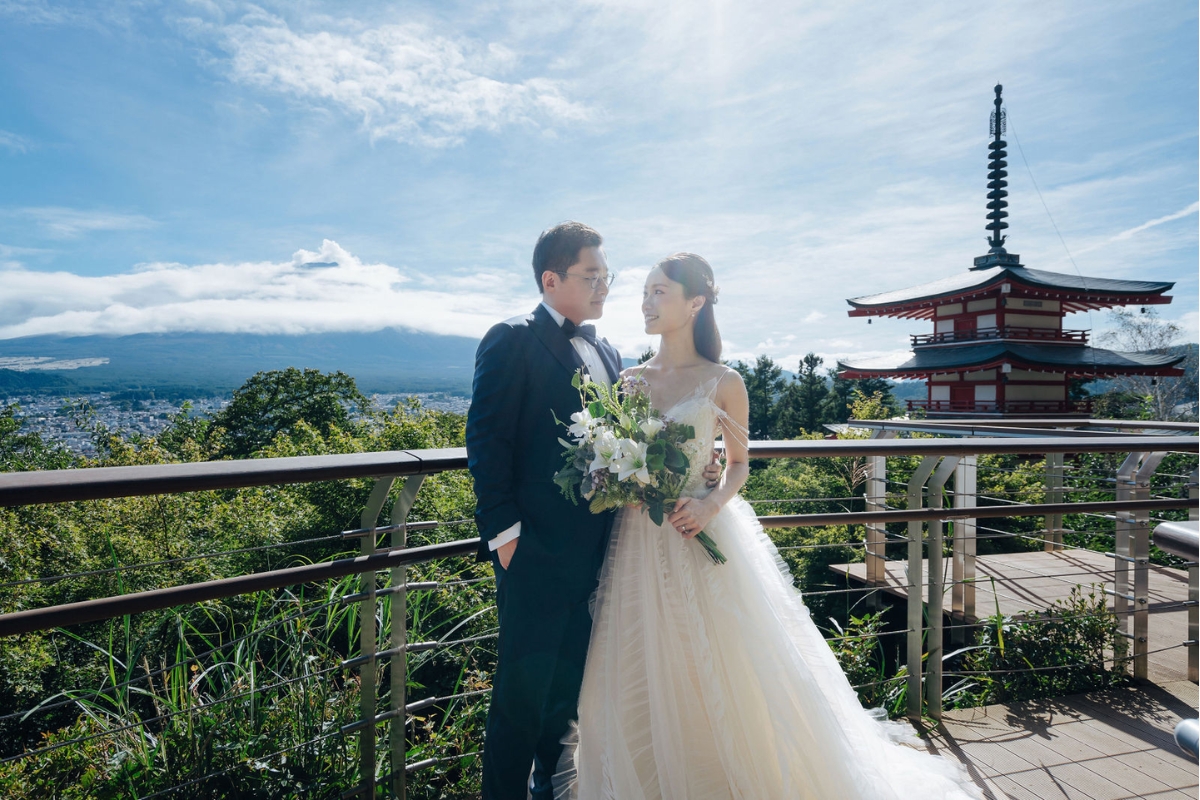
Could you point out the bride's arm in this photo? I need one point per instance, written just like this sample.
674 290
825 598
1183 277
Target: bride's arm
692 514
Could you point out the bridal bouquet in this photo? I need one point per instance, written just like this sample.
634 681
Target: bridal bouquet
623 452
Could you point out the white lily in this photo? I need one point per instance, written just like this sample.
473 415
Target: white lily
652 426
607 449
584 424
633 462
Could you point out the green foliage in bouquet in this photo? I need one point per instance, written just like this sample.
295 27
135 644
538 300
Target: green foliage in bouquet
623 452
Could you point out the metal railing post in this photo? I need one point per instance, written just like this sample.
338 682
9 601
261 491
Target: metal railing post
937 588
1193 648
962 593
876 497
1123 541
1194 494
367 638
916 487
1141 568
398 694
1054 494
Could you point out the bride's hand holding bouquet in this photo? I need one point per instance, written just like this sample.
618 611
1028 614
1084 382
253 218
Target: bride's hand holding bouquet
623 452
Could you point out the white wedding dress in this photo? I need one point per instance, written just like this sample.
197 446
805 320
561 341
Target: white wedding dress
709 681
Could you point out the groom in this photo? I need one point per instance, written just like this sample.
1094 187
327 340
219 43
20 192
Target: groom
546 551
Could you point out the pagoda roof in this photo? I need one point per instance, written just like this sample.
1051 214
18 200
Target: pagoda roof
1077 292
1091 361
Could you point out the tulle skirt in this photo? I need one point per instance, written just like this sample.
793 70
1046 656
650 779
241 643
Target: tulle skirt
711 681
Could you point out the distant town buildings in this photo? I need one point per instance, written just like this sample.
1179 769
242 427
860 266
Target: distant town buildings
62 419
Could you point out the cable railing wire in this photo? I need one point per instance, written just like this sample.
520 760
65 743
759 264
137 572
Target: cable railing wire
192 659
239 765
161 717
167 562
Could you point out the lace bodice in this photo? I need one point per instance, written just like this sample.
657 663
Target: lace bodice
699 409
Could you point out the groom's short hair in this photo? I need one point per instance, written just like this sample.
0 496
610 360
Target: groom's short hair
558 248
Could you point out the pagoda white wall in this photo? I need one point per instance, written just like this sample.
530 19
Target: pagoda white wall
1032 321
1027 302
1025 392
939 393
1030 375
985 394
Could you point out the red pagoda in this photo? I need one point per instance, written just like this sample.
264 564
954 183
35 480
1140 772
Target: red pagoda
998 346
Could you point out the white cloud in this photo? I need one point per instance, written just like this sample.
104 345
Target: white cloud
1168 218
69 223
814 316
405 81
38 12
14 143
47 364
326 290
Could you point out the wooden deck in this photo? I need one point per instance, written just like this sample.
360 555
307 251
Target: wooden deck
1032 581
1100 746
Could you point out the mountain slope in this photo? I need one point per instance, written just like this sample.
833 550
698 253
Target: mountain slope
389 360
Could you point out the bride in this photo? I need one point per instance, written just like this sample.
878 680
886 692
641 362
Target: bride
711 681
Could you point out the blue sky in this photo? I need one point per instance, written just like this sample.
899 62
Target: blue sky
313 166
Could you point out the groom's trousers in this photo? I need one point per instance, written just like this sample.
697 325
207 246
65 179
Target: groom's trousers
542 650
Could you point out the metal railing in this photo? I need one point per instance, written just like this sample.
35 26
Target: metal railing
1082 407
1014 332
940 460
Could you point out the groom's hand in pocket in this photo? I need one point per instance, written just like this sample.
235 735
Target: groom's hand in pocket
712 472
504 552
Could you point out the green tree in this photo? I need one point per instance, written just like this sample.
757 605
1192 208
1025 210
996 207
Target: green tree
1147 333
275 402
800 407
842 395
21 450
764 383
873 406
646 355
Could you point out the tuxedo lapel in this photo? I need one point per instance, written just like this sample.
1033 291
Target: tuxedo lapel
611 359
554 339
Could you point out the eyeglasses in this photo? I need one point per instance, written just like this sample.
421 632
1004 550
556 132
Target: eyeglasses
607 279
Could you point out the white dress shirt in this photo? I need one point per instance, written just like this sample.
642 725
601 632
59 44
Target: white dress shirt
596 370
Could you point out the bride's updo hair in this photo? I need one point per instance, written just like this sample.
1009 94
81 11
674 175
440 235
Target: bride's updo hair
696 276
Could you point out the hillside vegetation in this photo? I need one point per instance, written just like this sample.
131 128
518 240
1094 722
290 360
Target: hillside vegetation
244 697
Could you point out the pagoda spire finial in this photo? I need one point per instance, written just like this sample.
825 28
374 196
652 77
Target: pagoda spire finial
997 191
996 175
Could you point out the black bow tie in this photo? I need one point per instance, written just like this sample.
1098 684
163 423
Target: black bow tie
588 332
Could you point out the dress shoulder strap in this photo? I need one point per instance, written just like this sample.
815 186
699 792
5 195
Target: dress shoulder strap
712 391
731 427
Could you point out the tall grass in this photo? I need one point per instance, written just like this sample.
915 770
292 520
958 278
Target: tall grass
247 697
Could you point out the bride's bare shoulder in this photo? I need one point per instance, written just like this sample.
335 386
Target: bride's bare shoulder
729 384
727 374
638 369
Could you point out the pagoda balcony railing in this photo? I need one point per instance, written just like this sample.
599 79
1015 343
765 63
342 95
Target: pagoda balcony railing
1007 332
1004 407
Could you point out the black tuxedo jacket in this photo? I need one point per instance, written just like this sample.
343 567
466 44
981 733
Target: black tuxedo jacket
523 372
